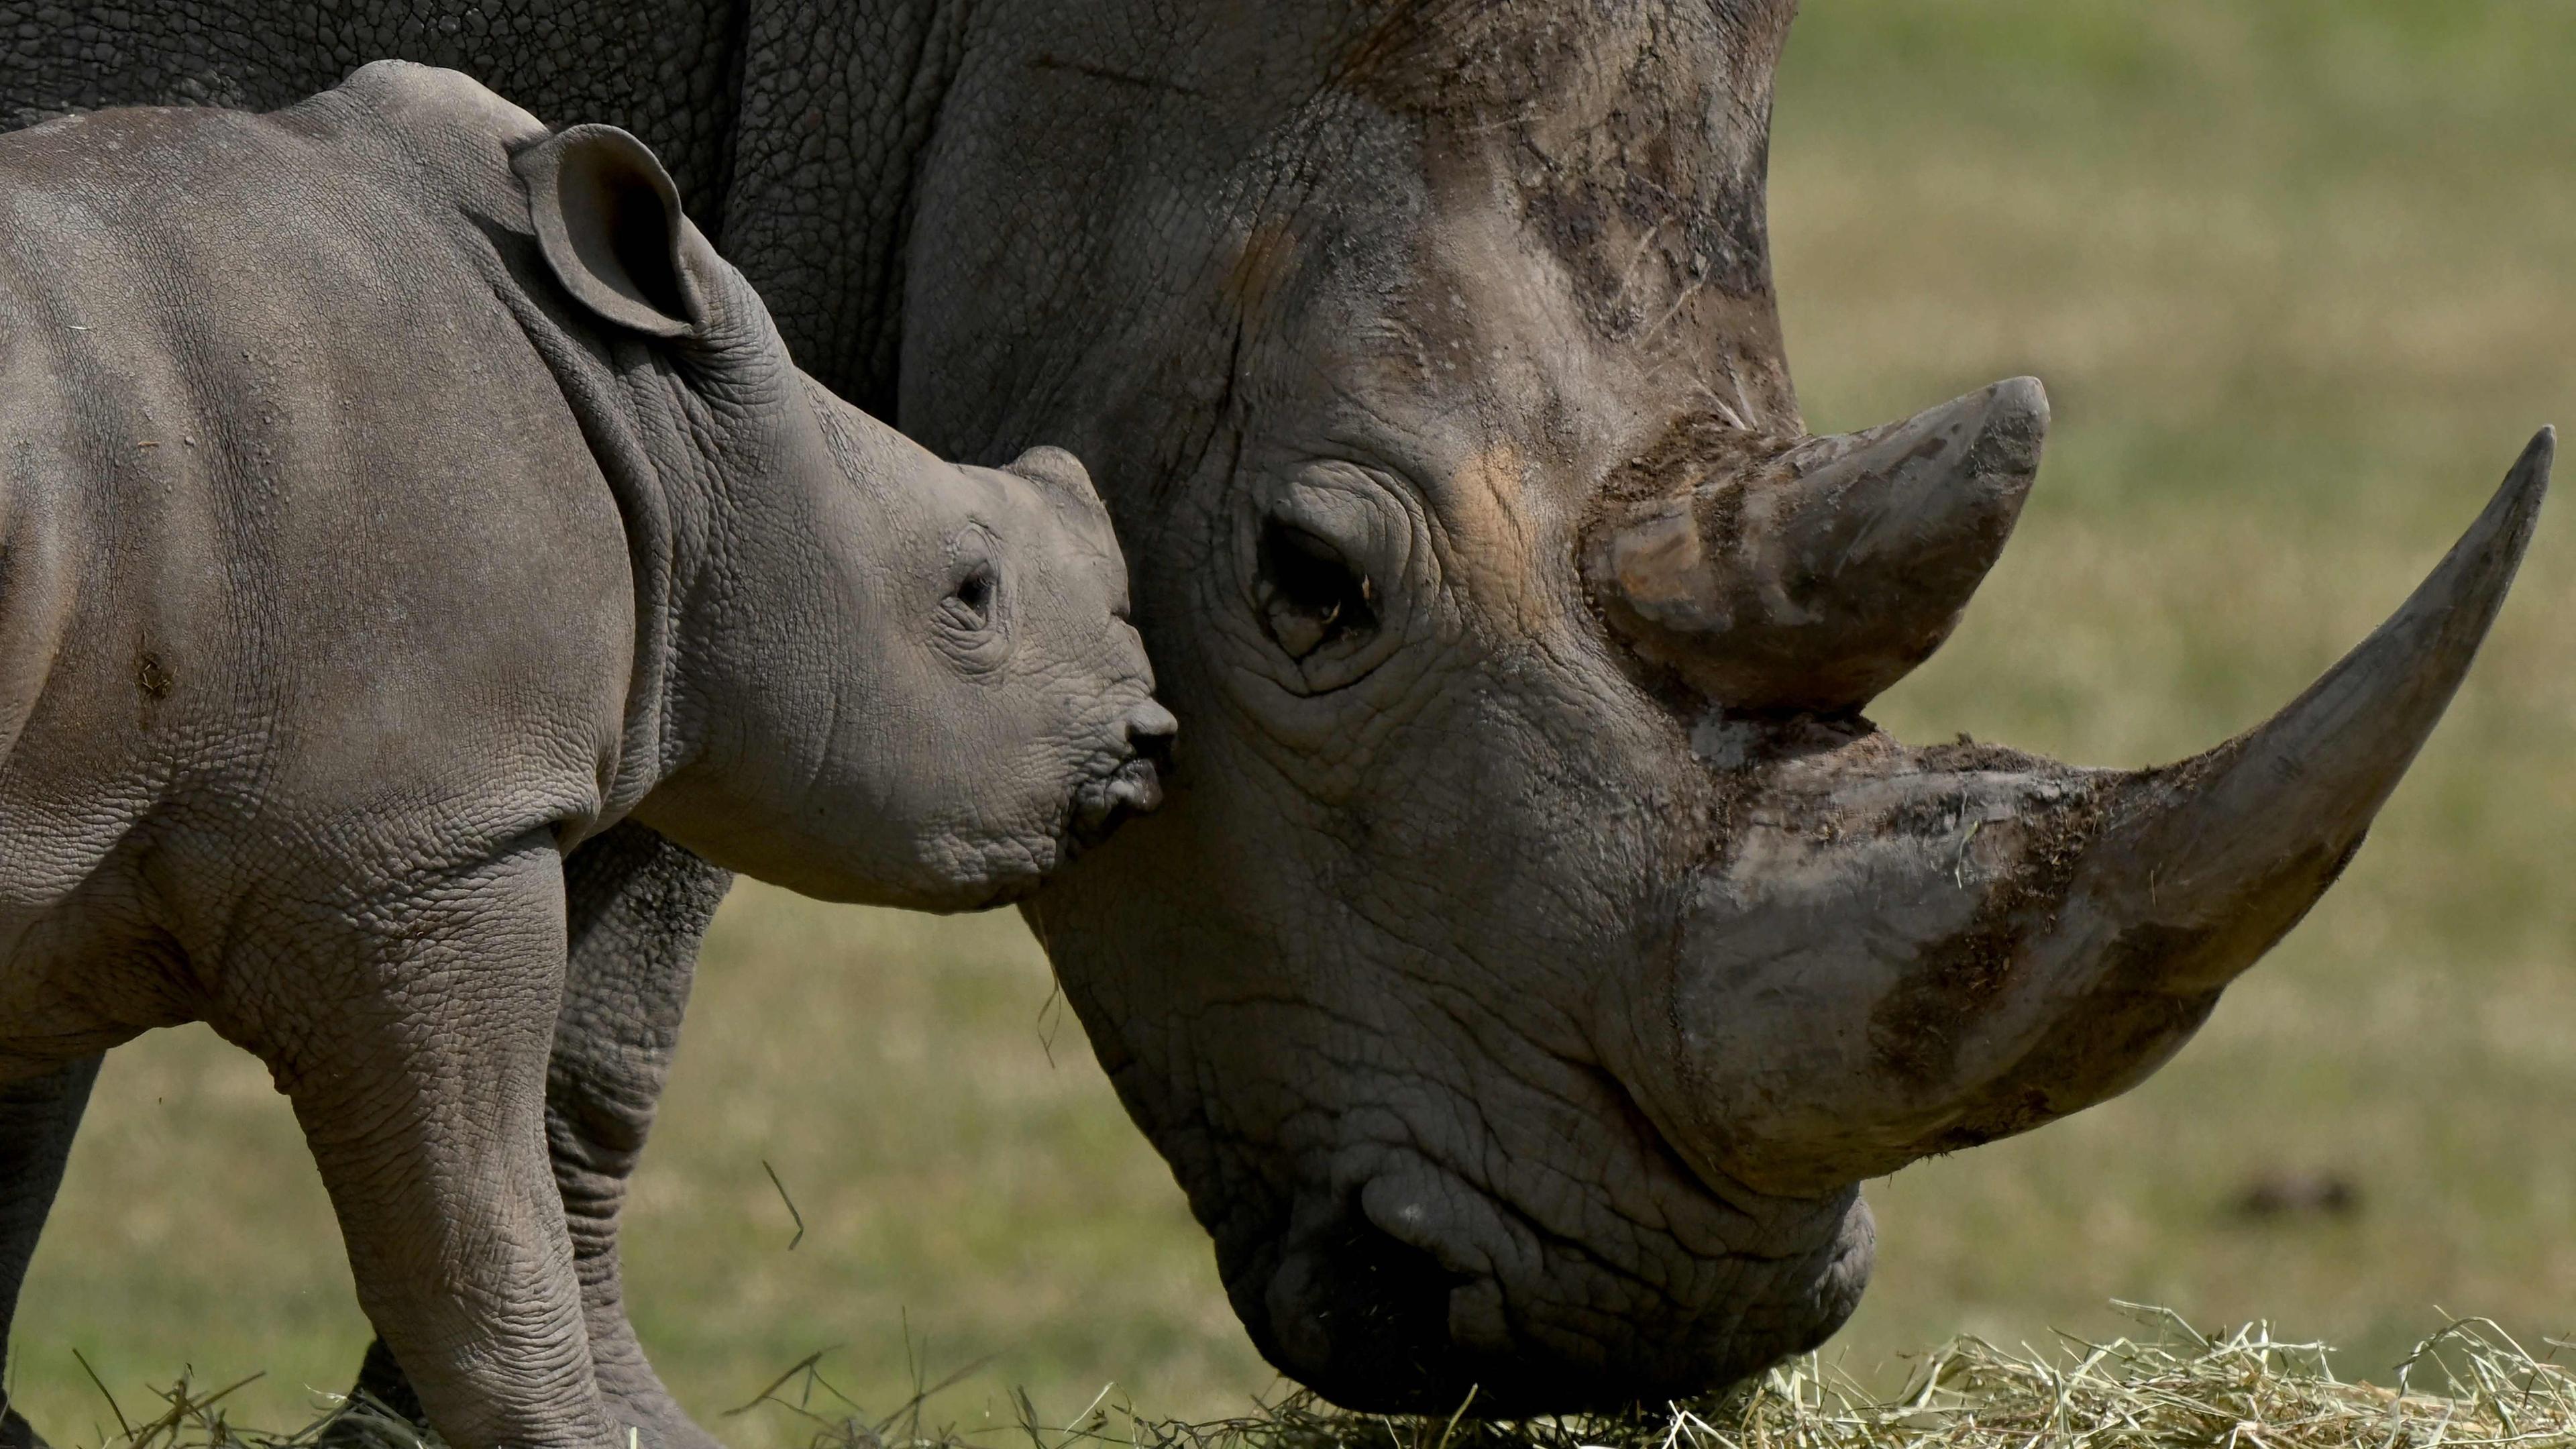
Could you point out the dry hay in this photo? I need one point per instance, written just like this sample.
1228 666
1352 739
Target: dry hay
2469 1385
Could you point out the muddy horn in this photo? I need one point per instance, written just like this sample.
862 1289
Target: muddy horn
1916 951
1819 577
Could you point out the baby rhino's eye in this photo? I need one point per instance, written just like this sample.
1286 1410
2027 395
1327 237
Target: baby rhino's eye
969 604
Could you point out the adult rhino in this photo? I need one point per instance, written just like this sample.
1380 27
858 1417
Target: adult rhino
1538 946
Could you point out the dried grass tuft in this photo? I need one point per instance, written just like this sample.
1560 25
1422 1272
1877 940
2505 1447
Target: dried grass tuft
2469 1385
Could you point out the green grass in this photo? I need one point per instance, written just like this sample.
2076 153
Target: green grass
2301 276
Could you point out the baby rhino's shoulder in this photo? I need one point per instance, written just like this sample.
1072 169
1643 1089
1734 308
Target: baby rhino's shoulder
431 100
395 125
458 133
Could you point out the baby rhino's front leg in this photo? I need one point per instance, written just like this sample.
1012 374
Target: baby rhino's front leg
411 1033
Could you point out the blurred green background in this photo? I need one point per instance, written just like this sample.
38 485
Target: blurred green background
2301 277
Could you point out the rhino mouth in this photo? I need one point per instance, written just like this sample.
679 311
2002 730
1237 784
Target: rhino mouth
1364 1318
1382 1315
1415 1270
1100 805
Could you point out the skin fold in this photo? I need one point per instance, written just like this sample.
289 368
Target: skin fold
1539 945
400 496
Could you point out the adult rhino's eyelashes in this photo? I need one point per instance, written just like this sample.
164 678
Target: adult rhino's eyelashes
1309 595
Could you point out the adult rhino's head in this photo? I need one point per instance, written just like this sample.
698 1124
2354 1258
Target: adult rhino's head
1539 946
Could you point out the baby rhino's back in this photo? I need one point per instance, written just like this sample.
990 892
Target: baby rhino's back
301 551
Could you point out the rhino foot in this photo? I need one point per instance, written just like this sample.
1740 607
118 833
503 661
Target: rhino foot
635 1398
383 1392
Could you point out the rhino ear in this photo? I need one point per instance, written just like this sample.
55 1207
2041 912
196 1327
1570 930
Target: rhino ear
609 222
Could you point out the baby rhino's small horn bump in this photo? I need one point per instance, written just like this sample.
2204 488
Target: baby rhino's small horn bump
1055 468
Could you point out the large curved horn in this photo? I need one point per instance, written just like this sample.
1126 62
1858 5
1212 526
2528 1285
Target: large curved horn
1821 578
1912 956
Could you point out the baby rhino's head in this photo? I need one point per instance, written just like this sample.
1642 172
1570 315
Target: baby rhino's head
1017 713
901 681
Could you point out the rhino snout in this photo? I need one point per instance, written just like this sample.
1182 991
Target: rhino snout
1134 786
1417 1293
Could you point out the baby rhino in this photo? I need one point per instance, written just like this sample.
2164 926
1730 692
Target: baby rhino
396 494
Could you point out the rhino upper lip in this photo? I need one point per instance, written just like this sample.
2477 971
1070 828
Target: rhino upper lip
1429 1238
1100 805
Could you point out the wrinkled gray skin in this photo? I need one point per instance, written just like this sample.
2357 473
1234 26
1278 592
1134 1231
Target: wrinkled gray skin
1539 946
398 497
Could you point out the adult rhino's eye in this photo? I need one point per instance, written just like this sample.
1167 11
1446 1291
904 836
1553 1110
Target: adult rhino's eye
970 604
1309 594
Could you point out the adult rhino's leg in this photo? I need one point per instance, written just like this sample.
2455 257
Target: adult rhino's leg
639 905
37 1119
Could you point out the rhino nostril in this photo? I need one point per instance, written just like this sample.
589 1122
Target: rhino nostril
1365 1318
1150 731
